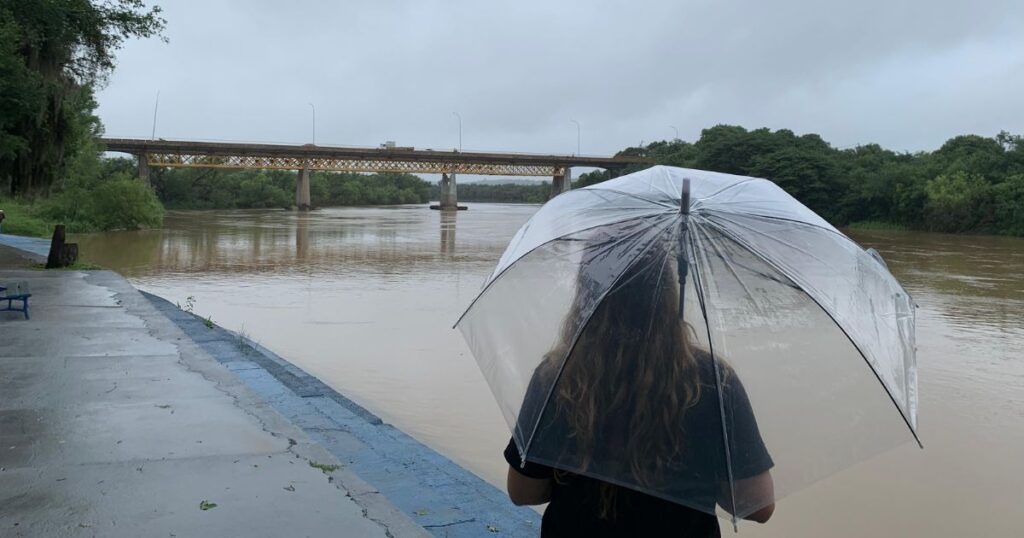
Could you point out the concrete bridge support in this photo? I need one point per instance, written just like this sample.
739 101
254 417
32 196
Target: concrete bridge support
561 182
302 198
143 168
449 198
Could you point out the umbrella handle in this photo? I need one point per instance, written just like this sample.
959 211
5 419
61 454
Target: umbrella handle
684 198
683 259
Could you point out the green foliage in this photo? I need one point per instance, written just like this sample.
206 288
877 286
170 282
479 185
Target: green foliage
123 203
876 225
970 184
958 202
1008 205
99 197
22 220
105 202
324 467
500 192
77 266
52 54
229 189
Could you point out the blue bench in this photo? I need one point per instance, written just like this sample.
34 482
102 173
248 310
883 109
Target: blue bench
17 291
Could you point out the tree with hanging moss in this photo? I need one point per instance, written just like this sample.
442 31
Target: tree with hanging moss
53 54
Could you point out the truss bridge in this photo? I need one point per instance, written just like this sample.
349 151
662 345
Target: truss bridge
305 158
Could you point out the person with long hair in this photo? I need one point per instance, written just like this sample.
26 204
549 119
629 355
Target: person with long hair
624 419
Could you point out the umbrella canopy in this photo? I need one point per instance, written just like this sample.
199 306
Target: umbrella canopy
689 345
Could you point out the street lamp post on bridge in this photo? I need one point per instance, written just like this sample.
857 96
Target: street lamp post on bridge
314 122
456 114
577 137
449 198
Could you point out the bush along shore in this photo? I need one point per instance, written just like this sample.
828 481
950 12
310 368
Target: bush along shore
102 197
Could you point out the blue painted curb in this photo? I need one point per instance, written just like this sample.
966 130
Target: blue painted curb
446 499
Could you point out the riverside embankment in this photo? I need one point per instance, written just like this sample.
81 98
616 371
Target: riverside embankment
121 415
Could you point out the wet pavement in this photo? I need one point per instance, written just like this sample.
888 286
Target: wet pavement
114 423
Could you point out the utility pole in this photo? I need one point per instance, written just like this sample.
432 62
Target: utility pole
577 136
314 122
155 107
460 130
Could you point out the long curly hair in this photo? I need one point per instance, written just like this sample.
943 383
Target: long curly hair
628 379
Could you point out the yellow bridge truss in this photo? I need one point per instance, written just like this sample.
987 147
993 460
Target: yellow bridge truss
347 164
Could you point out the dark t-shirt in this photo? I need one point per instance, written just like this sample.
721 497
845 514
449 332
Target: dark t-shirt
702 478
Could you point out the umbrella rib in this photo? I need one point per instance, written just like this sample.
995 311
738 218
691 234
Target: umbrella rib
844 237
718 383
522 233
513 264
762 274
576 337
759 232
775 217
732 270
878 376
597 187
727 187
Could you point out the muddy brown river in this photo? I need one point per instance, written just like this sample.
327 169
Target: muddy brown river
365 298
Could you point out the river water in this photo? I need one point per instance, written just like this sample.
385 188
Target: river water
365 298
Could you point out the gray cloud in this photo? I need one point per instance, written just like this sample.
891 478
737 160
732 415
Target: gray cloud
905 74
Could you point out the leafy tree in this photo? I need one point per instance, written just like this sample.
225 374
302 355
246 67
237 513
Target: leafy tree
1008 205
52 54
958 202
974 154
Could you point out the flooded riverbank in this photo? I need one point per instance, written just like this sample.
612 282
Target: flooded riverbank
364 298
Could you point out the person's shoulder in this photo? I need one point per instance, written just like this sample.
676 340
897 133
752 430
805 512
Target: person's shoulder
705 365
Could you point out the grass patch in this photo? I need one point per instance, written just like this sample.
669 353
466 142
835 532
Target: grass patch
85 205
206 505
77 266
208 321
21 220
877 225
243 343
324 467
190 304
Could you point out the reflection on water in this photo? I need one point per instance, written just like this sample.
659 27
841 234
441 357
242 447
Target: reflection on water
448 219
365 299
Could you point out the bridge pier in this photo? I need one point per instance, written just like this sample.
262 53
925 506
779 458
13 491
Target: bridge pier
561 181
143 168
302 198
449 198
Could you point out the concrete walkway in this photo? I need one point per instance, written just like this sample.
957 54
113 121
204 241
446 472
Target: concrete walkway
114 423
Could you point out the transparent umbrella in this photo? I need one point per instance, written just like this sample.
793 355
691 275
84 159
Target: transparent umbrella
696 336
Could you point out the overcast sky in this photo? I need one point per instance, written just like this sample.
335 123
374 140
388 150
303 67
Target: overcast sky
905 74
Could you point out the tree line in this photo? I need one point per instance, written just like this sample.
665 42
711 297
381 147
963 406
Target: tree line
971 184
230 189
499 193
